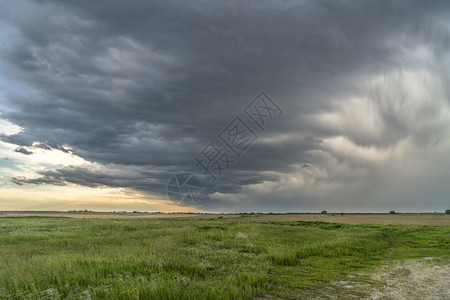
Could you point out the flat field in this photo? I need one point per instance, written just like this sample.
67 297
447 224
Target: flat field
224 257
347 218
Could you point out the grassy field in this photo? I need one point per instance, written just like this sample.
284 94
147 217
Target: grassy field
66 258
432 219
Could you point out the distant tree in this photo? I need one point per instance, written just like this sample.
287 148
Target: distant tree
447 212
392 212
324 212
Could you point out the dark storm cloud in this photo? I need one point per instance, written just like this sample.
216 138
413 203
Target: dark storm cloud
149 83
23 151
42 180
253 180
100 177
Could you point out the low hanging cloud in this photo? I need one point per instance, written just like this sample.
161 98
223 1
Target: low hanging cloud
23 151
135 90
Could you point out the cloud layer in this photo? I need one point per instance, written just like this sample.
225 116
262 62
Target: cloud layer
133 91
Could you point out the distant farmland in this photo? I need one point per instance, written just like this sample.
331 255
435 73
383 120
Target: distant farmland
183 256
432 219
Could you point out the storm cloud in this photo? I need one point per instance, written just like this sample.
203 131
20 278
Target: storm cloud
137 89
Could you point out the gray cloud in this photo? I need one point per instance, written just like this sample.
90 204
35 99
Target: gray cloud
23 151
145 86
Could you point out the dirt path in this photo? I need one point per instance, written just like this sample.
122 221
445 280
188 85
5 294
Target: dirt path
426 278
413 279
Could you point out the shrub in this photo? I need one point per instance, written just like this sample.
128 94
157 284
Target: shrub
392 212
447 212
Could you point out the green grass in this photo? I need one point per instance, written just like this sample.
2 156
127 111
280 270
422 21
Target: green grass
62 258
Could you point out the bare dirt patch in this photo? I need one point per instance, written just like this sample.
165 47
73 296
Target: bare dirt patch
426 278
413 279
397 219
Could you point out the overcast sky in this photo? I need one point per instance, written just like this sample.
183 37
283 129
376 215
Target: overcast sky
102 102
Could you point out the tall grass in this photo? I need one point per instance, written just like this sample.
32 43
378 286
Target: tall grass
61 258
